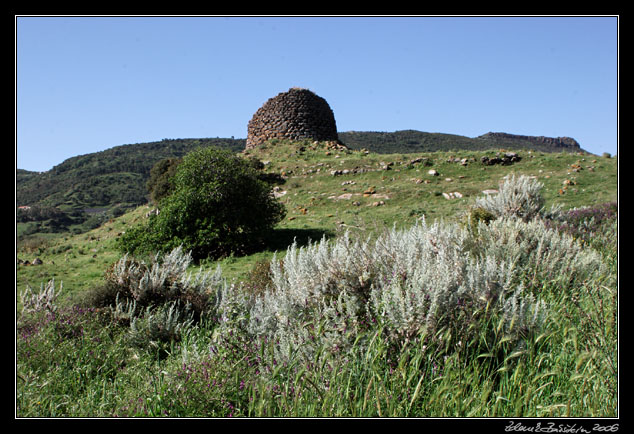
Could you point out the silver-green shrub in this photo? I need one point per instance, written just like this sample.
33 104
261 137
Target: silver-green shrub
157 297
160 324
162 276
124 310
412 281
518 196
522 314
43 300
537 253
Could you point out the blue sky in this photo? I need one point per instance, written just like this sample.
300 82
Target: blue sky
85 84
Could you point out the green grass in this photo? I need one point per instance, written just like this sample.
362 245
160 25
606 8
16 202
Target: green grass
80 365
78 362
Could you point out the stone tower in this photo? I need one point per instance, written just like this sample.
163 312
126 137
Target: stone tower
293 115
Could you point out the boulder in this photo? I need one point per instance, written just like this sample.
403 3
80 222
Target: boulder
452 195
505 159
489 191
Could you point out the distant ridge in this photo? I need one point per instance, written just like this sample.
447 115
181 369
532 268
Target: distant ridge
556 143
408 141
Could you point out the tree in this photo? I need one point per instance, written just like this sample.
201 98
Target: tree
160 184
218 206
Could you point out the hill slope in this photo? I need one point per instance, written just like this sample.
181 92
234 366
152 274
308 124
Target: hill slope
408 141
329 190
86 189
83 191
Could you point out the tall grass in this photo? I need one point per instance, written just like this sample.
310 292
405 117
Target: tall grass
517 318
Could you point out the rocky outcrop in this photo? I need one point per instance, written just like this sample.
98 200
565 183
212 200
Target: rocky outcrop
294 115
567 143
505 159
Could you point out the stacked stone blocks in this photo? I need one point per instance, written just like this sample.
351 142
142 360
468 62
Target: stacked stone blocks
294 115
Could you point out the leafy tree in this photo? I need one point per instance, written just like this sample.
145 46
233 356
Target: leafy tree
160 184
218 207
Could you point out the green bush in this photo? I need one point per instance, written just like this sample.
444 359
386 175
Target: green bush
218 207
160 184
476 215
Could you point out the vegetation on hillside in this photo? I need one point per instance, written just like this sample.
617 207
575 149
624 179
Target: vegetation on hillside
218 206
160 184
408 141
485 313
89 189
382 293
328 190
100 183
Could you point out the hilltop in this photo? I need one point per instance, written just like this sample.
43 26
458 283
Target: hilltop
408 141
84 191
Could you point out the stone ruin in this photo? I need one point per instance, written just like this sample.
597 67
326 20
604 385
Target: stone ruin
294 115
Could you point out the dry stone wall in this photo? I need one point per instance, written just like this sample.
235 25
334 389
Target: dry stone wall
294 115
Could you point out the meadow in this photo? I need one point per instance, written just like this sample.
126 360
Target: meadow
383 293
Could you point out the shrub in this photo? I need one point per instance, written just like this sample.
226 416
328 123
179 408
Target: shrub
160 183
259 278
156 327
159 300
539 254
415 282
165 280
475 215
44 300
218 207
420 284
481 215
102 295
517 197
584 223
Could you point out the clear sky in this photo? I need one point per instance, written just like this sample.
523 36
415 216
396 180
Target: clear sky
85 84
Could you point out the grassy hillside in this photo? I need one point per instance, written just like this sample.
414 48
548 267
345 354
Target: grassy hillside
84 191
544 345
88 189
321 198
